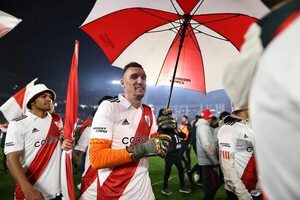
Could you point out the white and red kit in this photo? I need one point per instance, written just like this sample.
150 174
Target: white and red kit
275 103
89 178
237 160
39 141
118 124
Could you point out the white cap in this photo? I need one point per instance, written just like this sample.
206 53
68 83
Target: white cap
37 89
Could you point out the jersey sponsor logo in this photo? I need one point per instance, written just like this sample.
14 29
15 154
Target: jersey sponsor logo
100 129
125 122
134 140
34 130
46 141
9 144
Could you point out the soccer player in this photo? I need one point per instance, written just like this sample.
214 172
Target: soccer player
89 180
33 147
268 69
236 146
120 140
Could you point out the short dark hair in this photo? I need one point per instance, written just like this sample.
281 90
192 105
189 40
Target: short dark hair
132 64
223 115
28 105
185 116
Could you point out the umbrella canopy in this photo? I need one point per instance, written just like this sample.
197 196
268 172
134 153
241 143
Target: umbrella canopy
7 23
150 32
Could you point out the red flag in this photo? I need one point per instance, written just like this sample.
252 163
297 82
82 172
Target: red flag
69 127
15 106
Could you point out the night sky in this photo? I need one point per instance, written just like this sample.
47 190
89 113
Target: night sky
41 46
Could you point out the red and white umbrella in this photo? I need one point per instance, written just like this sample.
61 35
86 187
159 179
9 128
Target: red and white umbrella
193 38
7 23
15 106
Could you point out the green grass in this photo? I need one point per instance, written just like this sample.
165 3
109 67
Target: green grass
156 174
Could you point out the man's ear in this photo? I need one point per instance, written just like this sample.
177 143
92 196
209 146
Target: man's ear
122 83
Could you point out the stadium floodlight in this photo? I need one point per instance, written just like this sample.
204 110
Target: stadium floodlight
115 82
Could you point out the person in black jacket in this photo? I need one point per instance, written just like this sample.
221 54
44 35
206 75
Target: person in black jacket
174 157
192 142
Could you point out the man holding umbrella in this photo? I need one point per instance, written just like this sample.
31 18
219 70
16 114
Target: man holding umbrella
120 139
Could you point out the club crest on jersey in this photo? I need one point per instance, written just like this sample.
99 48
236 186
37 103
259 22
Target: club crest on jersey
58 125
147 119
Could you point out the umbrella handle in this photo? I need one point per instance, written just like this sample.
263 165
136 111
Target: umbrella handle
187 18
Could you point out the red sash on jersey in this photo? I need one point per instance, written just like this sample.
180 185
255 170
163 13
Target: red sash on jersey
84 125
117 181
249 176
87 180
42 158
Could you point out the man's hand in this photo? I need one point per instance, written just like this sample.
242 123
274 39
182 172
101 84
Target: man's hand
67 144
33 194
152 147
166 122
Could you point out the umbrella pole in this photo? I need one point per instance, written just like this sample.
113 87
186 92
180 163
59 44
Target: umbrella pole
186 21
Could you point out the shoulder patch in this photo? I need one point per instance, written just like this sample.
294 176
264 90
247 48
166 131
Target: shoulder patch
114 99
20 118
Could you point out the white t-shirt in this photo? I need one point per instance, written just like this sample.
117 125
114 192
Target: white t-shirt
28 134
83 145
117 120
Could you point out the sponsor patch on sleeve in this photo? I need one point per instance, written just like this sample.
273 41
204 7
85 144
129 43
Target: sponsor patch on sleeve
100 129
9 144
223 144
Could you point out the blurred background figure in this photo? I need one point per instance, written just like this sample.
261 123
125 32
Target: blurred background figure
3 130
196 168
206 154
174 156
236 142
184 134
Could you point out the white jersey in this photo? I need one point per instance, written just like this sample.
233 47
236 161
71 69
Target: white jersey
116 120
275 104
28 134
83 145
236 146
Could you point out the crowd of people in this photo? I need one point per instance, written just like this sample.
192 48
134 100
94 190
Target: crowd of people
116 142
248 151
